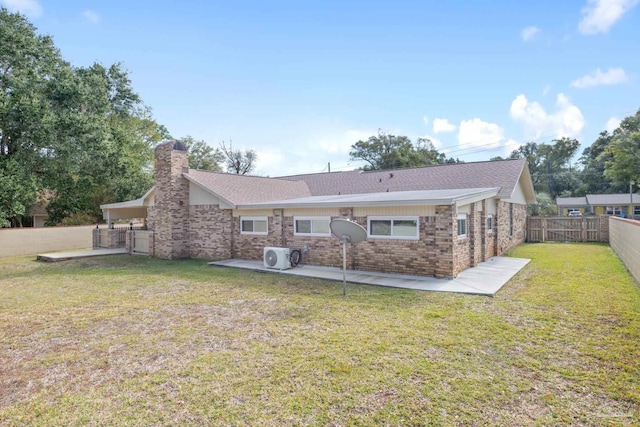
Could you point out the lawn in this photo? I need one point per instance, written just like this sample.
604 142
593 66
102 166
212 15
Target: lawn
129 340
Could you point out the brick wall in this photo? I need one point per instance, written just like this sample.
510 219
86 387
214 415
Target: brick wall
251 246
490 237
505 239
215 234
415 257
210 232
604 228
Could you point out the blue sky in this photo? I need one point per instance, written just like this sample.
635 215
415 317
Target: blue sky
300 82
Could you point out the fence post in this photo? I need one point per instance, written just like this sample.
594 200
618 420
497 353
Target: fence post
543 221
584 229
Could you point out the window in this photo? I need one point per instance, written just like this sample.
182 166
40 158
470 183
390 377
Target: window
462 225
636 210
253 225
393 227
613 210
311 226
489 223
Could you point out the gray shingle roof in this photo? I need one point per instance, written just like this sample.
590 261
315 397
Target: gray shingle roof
501 173
571 201
244 189
612 199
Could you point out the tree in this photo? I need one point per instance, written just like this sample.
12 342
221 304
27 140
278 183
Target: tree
624 164
18 191
80 132
544 205
386 151
549 165
202 156
240 162
594 159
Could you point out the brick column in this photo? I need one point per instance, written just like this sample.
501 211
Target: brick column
171 210
446 228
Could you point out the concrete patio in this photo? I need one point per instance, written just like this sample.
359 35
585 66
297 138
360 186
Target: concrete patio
65 256
485 279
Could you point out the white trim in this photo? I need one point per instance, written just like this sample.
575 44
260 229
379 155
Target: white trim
466 226
393 198
311 219
393 219
255 218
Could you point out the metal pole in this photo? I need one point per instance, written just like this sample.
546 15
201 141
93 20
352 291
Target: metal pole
630 199
344 265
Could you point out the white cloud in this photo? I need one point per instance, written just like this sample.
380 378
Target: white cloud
566 121
612 76
477 133
612 124
598 16
91 16
31 8
546 90
529 33
443 125
425 119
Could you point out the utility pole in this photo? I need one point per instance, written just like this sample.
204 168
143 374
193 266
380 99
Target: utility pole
631 199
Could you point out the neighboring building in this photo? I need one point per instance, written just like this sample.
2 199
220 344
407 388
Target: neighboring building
566 205
38 211
430 221
622 205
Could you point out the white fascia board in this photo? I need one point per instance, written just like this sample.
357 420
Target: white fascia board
141 202
147 194
321 201
228 202
466 200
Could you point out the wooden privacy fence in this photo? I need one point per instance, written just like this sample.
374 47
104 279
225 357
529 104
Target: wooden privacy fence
564 229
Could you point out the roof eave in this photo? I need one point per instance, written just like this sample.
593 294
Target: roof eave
458 200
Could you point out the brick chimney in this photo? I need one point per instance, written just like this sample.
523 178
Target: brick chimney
171 210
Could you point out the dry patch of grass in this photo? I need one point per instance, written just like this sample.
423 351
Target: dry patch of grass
138 341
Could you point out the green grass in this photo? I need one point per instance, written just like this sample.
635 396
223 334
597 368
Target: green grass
129 340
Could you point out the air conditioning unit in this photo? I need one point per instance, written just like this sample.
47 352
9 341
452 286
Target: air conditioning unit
277 258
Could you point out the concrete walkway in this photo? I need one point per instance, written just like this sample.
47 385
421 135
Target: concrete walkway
65 256
485 279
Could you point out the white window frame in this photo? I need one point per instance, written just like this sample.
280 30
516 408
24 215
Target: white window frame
615 210
254 218
310 218
490 229
393 219
462 217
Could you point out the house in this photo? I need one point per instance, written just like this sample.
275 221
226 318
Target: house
38 210
430 221
566 205
624 205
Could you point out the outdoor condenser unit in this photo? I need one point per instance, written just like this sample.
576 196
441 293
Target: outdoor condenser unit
277 258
